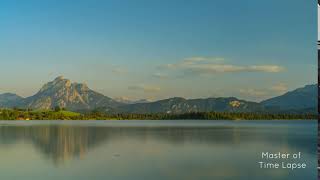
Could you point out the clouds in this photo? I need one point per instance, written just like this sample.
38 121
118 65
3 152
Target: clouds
253 93
227 68
264 68
160 75
260 94
145 88
210 65
202 59
191 61
119 70
280 87
197 76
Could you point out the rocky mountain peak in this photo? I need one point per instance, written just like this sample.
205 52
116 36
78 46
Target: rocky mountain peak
71 95
56 84
59 78
81 87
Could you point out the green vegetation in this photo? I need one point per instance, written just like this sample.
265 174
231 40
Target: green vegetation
60 114
21 114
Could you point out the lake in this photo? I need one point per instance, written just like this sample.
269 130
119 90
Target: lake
154 150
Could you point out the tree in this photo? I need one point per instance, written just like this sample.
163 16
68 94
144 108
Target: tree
57 109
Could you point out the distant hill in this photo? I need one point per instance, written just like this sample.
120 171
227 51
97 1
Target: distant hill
301 99
181 105
9 100
80 98
128 101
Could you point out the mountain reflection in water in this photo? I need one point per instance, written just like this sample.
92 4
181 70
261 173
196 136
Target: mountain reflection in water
63 142
210 149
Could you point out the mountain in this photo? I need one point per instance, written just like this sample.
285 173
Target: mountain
72 96
141 101
9 100
79 97
125 100
303 99
181 105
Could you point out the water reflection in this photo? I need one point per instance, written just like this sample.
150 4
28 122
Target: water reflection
61 143
58 143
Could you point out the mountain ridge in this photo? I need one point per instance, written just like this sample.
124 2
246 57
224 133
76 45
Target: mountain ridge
79 97
295 99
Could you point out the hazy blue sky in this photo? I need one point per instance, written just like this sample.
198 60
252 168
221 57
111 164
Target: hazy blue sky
252 49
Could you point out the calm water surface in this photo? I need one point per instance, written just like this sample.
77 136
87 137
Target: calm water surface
152 150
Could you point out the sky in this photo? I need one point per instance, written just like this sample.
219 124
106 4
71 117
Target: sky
151 49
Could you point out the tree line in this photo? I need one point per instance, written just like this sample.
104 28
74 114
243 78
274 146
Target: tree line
61 114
